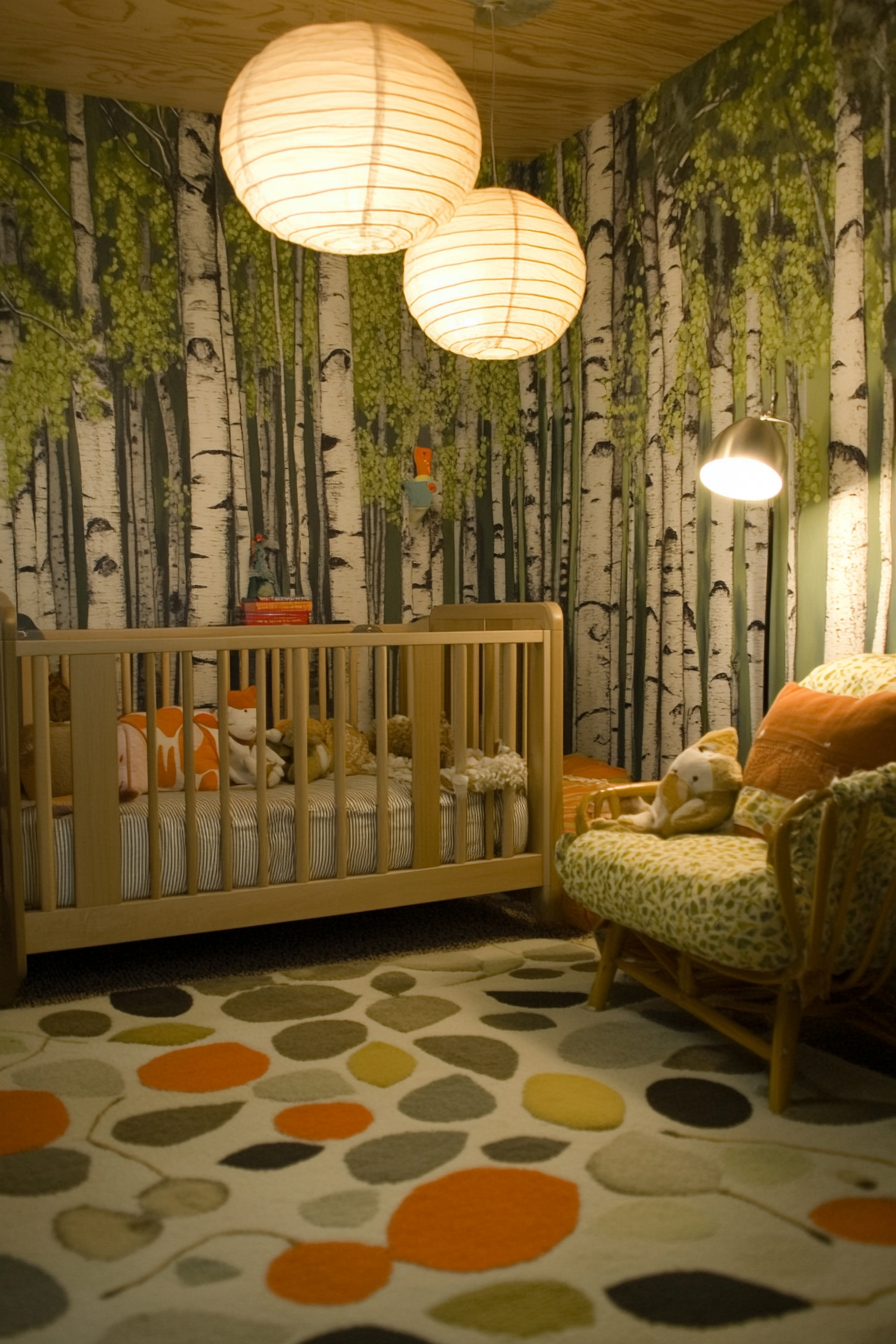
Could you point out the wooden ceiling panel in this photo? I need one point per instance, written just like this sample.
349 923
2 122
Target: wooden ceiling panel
555 74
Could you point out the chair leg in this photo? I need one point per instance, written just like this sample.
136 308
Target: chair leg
787 1028
606 970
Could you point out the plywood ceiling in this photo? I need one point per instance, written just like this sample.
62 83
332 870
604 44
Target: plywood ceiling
555 74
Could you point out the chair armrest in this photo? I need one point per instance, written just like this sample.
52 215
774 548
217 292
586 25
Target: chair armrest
611 794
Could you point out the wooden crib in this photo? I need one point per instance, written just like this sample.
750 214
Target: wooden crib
494 670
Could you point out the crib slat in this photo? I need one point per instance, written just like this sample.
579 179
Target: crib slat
353 686
339 775
425 707
152 779
127 684
460 656
165 661
381 714
244 669
288 687
276 716
489 733
186 672
261 772
224 772
43 781
474 720
301 693
96 817
323 696
508 736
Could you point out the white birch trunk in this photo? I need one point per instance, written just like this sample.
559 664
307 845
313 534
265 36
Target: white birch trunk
497 490
795 416
236 441
411 539
342 485
755 522
59 562
211 486
143 576
27 591
301 502
96 438
721 690
653 488
528 373
7 352
848 450
693 694
291 560
562 543
46 618
888 434
176 506
550 570
672 627
593 649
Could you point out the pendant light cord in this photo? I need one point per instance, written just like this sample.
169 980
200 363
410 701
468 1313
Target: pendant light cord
491 10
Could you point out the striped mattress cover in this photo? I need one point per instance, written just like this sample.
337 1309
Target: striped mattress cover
361 809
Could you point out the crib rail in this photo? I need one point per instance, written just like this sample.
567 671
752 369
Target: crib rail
492 671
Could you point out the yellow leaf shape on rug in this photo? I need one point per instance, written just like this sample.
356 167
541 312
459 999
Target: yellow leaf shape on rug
657 1220
574 1101
329 1273
381 1064
204 1068
518 1309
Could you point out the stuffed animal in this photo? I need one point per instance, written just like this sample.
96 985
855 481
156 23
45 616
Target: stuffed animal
398 734
697 793
321 748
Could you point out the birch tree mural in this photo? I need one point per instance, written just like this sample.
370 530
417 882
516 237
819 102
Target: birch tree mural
174 381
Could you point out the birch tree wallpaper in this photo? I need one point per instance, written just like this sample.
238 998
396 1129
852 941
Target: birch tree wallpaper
174 382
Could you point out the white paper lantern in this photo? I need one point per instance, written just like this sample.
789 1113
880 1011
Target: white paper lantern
350 137
502 279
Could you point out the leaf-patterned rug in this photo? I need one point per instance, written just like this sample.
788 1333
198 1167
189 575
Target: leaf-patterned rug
440 1148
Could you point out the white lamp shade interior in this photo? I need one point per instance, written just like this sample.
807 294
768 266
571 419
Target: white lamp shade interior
741 478
350 138
502 279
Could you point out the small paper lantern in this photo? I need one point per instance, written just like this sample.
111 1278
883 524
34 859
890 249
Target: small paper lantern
502 279
350 137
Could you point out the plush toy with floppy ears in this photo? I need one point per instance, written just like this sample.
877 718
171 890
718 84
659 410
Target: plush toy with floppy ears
697 793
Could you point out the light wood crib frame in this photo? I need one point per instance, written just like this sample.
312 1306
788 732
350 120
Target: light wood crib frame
495 670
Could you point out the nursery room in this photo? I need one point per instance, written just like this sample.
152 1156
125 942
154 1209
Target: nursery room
447 671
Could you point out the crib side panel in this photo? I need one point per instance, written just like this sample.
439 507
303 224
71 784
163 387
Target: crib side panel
97 833
12 913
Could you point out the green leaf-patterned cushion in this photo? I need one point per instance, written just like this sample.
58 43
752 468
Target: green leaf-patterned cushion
859 674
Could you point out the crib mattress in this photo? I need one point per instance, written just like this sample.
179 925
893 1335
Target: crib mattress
362 837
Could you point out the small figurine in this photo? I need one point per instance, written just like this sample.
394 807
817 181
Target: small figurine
262 580
421 490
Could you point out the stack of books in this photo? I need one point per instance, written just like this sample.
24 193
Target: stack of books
275 611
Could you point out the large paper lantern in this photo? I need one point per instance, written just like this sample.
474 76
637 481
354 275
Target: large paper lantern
502 279
350 137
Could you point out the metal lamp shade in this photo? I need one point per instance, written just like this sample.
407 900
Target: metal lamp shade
747 460
350 138
502 279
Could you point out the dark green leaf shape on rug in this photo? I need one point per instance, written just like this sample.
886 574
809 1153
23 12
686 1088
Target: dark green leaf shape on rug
194 1327
699 1102
558 952
699 1299
161 1129
42 1171
104 1234
523 1148
590 967
164 1001
479 1054
537 998
403 1157
676 1019
72 1078
393 982
535 973
839 1111
518 1309
195 1270
163 1033
29 1297
622 992
319 1040
183 1197
612 1044
365 1334
280 1003
517 1021
339 970
75 1022
222 985
715 1059
272 1156
448 1099
412 1012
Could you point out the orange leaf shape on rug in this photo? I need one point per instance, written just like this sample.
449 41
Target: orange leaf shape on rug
871 1220
30 1120
483 1219
324 1120
204 1068
329 1273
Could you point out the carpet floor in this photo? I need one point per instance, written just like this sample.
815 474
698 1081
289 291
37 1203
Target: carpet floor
427 1147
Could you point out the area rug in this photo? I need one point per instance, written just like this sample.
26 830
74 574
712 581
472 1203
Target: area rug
436 1148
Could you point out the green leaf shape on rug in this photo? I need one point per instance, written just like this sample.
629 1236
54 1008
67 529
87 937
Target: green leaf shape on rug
479 1054
715 1059
319 1040
179 1124
524 1148
339 970
183 1197
615 1045
839 1111
656 1220
305 1085
381 1064
42 1171
568 952
223 985
31 1297
393 982
517 1021
195 1270
72 1078
163 1033
342 1208
646 1164
11 1045
75 1022
403 1157
411 1012
520 1309
537 998
104 1234
194 1327
574 1101
365 1334
758 1164
492 966
282 1003
439 961
700 1299
448 1099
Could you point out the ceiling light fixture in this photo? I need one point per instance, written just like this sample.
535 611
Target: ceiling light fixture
747 460
350 138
